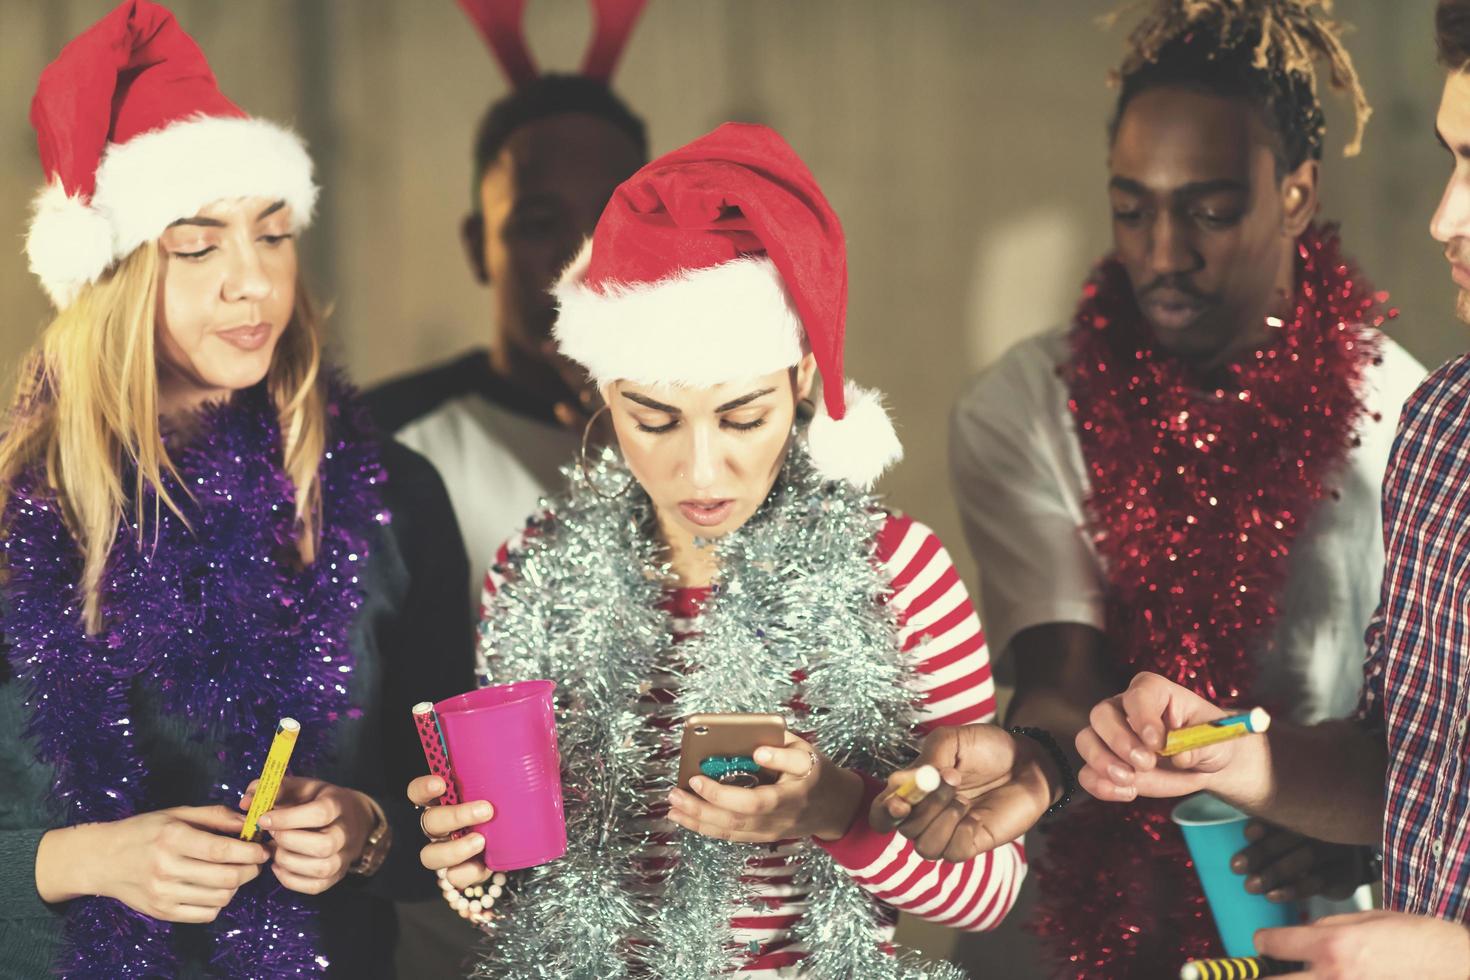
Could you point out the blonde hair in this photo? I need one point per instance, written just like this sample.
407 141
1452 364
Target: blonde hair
86 409
1291 36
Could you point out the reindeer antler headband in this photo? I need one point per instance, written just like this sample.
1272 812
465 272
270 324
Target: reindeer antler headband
502 24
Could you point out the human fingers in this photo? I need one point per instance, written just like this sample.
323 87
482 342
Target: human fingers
188 841
303 884
695 813
1102 769
209 874
1155 705
796 758
970 839
451 853
942 747
1307 886
888 808
1108 721
1294 943
441 821
312 843
426 790
1284 869
926 812
996 818
469 873
715 826
1267 842
313 814
203 896
751 801
305 866
217 818
939 834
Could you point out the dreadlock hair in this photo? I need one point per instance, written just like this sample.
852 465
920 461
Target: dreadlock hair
550 95
1262 51
1452 34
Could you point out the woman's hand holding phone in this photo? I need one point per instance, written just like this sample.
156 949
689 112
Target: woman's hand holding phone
463 857
811 797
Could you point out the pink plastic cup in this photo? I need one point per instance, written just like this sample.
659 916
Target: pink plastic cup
502 748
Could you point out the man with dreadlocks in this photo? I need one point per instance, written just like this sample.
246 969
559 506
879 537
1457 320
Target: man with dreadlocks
1396 772
1187 480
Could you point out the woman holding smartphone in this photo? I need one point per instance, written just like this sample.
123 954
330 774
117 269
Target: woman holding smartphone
196 544
727 558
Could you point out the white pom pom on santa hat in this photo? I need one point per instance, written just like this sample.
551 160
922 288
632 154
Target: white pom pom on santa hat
858 447
68 245
718 262
133 134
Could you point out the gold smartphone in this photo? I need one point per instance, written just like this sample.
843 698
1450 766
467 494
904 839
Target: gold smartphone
729 737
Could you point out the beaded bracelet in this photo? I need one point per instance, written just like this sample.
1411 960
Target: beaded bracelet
1064 768
475 902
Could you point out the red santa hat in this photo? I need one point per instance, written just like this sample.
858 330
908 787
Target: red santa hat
134 134
718 262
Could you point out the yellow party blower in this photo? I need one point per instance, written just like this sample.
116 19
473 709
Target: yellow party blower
1220 730
271 775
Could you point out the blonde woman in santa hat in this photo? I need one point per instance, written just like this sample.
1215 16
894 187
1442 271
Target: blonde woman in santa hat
725 558
197 544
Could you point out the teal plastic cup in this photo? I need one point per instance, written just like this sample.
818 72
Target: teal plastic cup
1215 832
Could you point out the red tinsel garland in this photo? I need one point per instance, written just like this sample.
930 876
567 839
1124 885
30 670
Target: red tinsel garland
1200 488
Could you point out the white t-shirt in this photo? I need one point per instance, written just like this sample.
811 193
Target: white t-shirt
496 457
1021 486
497 466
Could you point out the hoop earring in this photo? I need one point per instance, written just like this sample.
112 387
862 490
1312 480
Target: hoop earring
586 466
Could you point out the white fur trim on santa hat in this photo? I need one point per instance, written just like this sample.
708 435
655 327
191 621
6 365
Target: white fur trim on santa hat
153 179
697 328
68 245
859 446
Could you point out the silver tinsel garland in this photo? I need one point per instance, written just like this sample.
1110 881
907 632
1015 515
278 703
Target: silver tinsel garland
798 590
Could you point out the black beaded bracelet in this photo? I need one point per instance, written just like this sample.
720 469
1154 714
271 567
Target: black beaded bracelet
1064 768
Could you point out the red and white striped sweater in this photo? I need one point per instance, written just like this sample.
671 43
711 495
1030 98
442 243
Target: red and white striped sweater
940 634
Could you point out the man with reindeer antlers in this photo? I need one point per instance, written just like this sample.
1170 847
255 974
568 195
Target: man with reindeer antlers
498 421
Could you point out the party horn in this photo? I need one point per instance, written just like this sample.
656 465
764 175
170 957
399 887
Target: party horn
271 775
431 737
1220 730
914 788
1237 968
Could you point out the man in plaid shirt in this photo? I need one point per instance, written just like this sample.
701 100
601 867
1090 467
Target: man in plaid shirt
1399 772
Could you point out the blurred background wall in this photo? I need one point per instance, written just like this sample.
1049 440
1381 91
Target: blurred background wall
961 141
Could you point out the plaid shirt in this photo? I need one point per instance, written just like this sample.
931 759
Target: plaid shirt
1416 688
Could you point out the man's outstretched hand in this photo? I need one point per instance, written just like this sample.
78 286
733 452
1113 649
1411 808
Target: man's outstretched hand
993 788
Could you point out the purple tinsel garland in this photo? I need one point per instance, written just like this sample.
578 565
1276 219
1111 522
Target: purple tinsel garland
232 638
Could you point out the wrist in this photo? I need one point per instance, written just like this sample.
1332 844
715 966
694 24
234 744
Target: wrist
847 797
377 839
1045 762
65 868
1039 769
